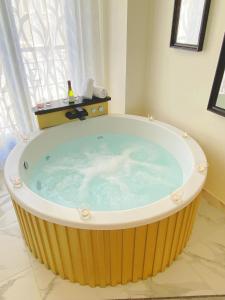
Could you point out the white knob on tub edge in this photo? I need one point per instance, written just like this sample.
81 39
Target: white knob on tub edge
177 197
202 168
85 214
16 181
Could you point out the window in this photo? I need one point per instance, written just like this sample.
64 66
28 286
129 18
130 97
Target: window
38 38
40 27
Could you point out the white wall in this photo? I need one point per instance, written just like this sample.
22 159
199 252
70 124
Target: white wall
137 42
125 50
179 84
115 45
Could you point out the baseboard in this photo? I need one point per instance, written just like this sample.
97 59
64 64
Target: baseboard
213 199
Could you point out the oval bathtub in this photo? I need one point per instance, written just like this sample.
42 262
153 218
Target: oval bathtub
109 247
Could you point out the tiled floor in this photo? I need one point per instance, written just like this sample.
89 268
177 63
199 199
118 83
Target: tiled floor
200 270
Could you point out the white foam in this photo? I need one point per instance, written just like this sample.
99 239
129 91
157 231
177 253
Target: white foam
106 176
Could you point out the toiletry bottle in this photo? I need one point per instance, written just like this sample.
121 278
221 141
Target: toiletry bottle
70 92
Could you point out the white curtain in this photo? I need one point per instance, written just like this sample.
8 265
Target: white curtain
43 44
14 69
7 120
84 41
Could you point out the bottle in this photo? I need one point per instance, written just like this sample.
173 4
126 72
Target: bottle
70 92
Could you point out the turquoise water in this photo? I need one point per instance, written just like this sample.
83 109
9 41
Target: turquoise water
106 172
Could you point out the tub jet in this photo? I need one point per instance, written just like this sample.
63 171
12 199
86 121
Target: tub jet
25 164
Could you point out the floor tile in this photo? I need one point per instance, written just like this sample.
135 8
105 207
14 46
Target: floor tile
13 252
20 287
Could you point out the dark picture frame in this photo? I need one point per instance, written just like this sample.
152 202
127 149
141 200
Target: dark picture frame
175 24
217 83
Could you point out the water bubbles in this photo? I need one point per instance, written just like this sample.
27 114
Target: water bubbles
122 172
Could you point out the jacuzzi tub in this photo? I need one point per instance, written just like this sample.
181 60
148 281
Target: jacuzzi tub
110 247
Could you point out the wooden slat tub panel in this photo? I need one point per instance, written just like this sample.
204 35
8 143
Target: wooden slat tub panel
107 257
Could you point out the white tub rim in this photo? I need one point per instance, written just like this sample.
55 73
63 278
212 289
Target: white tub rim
108 220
